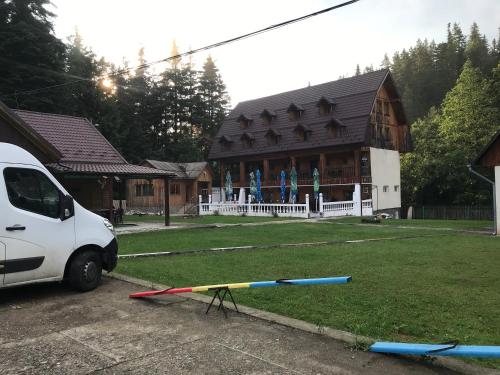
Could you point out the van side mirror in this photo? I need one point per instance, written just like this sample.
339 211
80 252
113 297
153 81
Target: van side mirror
67 207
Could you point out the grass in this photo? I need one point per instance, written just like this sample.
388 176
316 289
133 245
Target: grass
202 238
209 219
482 225
427 289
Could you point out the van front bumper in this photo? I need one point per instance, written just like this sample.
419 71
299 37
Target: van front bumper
110 256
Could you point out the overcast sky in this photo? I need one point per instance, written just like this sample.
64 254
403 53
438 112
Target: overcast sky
317 50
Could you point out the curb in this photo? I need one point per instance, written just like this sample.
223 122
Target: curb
342 336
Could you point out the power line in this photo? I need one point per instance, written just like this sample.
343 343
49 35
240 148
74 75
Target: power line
191 52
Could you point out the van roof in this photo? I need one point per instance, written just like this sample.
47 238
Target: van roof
10 153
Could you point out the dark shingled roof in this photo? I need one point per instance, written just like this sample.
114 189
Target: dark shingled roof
83 149
353 97
180 170
74 137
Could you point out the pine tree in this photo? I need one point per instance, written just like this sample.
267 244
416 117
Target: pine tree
386 62
358 70
31 56
213 102
476 50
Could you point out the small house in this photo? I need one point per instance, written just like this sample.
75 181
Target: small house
189 181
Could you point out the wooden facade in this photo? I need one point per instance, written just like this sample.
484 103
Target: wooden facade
148 195
333 133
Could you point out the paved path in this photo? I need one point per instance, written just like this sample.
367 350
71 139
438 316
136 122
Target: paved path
48 329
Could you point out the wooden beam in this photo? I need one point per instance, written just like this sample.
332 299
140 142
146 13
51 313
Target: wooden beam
266 172
322 165
357 164
221 174
110 192
242 173
167 201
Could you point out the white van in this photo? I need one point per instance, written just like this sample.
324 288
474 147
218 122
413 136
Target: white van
44 234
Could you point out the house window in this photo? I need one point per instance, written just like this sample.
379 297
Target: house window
247 140
175 189
386 108
225 143
273 137
148 190
244 121
294 112
386 188
325 106
396 188
267 116
144 190
302 132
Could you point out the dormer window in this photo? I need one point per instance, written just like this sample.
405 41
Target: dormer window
294 112
247 140
302 132
244 121
325 106
267 116
225 142
336 129
273 137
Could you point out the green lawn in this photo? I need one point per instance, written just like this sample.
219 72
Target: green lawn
209 219
427 289
482 225
202 238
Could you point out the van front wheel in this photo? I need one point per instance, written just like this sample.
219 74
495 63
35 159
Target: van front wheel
85 271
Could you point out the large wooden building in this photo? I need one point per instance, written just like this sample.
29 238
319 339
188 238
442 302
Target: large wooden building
78 155
189 180
352 130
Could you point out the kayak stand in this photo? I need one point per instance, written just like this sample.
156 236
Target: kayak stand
220 294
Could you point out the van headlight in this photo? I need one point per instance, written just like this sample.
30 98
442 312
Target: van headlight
110 226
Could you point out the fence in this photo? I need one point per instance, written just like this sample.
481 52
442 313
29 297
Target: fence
326 209
345 208
450 212
234 208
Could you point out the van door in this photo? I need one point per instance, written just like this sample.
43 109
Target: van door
37 241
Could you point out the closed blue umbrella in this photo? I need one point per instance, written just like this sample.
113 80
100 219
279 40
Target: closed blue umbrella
259 193
229 186
316 183
283 186
253 186
293 185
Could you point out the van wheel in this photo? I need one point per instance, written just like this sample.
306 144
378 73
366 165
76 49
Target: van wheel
85 271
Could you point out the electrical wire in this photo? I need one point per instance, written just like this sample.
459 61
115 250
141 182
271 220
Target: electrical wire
189 53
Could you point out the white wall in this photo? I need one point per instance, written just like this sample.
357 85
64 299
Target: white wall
497 192
385 171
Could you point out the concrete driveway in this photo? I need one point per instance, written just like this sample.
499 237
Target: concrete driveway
48 329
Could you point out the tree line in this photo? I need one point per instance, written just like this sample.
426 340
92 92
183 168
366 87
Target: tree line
172 115
451 96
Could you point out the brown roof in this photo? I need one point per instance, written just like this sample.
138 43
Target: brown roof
180 170
353 97
29 133
105 168
81 147
74 137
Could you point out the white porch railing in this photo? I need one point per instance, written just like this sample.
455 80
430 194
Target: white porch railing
255 209
345 208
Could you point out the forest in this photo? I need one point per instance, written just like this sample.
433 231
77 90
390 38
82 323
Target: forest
450 91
